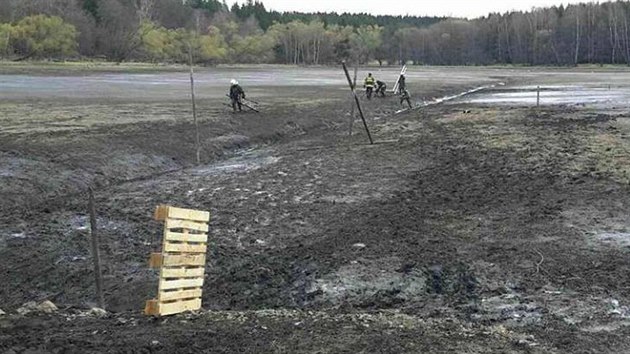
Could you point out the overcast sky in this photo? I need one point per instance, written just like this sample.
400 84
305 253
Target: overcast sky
457 8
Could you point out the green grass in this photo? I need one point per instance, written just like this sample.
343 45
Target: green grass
83 67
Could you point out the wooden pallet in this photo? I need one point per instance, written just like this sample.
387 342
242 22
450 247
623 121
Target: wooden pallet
182 261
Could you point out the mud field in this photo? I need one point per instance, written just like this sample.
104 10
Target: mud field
480 224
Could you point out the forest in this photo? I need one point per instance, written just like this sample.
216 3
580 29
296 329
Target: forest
212 32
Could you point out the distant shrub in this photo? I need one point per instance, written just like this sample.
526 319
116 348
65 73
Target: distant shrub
43 37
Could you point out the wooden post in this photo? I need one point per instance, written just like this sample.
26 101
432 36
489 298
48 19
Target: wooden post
356 100
194 105
538 97
95 250
354 85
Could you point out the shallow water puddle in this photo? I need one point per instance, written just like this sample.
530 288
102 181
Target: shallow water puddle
621 239
449 98
554 95
459 95
247 161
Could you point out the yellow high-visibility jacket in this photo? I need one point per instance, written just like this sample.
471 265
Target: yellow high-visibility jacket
369 81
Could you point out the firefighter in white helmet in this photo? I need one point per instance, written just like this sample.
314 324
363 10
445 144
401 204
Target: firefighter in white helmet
236 95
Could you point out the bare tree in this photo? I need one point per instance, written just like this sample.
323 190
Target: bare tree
577 37
144 9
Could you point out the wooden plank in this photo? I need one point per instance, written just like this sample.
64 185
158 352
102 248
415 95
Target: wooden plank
188 214
180 295
152 308
180 284
179 307
155 261
184 247
183 272
175 236
185 224
162 212
184 260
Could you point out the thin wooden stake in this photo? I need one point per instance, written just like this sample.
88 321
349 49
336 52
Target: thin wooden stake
354 85
356 100
194 105
538 97
95 250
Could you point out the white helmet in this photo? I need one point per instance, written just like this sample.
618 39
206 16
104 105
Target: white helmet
234 82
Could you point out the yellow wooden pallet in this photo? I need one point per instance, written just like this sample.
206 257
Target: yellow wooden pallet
182 261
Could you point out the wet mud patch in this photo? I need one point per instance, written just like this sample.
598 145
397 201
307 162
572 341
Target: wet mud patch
243 161
365 283
511 310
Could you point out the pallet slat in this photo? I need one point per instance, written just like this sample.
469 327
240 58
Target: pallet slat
162 212
181 283
183 260
184 248
188 214
175 236
179 307
180 295
185 224
183 272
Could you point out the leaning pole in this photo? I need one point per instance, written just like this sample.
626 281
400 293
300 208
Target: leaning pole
356 99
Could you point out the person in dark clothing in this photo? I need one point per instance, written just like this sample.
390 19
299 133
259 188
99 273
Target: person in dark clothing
381 87
402 86
404 96
236 95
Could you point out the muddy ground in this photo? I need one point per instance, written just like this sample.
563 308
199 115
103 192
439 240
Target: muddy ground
468 227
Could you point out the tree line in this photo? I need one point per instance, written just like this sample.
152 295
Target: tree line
209 31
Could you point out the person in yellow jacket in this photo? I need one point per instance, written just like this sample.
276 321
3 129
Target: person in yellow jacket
369 85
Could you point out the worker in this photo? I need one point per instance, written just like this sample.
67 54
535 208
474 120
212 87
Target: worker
236 95
369 85
404 96
402 87
381 87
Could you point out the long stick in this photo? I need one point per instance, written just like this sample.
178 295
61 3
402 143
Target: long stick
194 105
244 103
356 100
250 100
95 252
354 85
